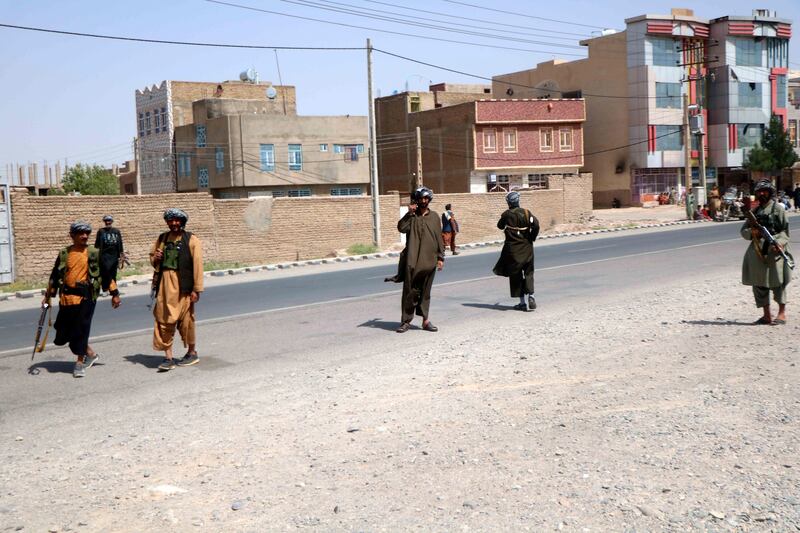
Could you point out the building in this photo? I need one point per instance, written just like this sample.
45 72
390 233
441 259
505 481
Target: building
471 144
162 108
240 148
793 116
732 69
126 175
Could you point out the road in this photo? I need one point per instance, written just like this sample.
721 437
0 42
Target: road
247 297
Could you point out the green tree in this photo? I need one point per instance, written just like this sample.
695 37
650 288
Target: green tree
90 179
775 152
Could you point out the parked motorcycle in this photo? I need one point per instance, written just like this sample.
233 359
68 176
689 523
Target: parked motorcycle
731 206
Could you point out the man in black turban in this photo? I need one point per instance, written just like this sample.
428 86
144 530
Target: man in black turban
516 260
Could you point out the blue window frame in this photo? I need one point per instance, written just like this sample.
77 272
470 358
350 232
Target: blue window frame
668 138
748 52
141 124
219 158
338 148
665 52
202 178
295 157
749 94
184 165
267 152
749 135
157 119
668 95
200 135
147 123
782 89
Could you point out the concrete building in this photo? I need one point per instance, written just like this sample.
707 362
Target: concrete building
239 148
732 68
126 175
793 117
476 145
162 108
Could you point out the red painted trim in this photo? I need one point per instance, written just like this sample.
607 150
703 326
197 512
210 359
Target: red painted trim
651 139
784 30
732 139
659 27
700 30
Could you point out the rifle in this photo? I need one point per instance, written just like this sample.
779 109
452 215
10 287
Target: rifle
769 240
156 281
123 261
46 313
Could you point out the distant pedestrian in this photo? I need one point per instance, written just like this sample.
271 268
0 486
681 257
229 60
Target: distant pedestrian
424 256
516 260
76 276
796 196
177 255
449 228
109 243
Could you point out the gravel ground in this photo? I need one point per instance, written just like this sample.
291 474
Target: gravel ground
656 411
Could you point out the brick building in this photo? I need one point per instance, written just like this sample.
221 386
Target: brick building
162 108
475 145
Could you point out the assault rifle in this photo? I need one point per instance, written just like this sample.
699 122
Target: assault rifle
769 240
39 342
123 261
156 281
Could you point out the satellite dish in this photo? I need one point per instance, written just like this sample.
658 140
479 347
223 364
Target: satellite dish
271 92
248 75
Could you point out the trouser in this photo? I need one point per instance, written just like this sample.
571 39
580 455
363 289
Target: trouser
164 333
761 295
73 324
416 298
108 271
521 282
449 238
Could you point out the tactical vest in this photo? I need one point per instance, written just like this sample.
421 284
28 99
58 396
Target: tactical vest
178 257
769 218
94 270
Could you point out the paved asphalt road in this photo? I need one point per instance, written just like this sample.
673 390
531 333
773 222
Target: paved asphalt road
219 302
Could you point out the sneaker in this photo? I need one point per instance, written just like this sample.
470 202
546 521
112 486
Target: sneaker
166 365
79 371
531 302
521 307
456 252
89 360
189 360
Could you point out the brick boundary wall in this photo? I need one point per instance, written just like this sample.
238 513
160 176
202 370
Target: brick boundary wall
266 230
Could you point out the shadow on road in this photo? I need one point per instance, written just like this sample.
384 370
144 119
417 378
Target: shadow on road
52 367
380 324
495 307
719 322
150 361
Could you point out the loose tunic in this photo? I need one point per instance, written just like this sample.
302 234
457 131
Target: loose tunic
772 273
424 247
173 309
516 258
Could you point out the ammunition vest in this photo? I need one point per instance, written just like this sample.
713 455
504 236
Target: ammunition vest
178 257
94 271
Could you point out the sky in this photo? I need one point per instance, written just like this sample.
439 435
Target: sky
68 97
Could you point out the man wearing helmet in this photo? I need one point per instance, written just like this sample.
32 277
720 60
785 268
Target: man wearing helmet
424 256
763 267
109 243
177 256
516 260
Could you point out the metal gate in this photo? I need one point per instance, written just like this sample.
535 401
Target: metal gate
6 239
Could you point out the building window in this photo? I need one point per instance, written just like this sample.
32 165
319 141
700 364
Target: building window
489 140
509 139
202 178
295 157
360 148
665 52
749 94
413 103
793 132
668 138
777 53
141 124
749 135
565 139
546 139
748 52
184 165
538 181
219 158
147 127
668 95
338 148
267 156
200 135
351 153
346 191
780 95
163 119
297 193
157 120
323 147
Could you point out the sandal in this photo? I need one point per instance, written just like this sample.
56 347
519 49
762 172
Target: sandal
405 326
778 322
762 322
429 327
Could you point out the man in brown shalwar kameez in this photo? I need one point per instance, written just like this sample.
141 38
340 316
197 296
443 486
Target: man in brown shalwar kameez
178 255
424 256
516 260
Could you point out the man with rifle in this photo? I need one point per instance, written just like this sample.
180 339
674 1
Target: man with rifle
767 264
177 257
76 276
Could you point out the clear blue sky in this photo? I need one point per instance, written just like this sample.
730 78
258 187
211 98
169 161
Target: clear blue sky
74 97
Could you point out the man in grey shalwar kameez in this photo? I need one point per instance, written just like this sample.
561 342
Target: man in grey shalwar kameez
424 256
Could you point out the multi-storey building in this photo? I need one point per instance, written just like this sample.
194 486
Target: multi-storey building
237 148
793 116
162 108
732 69
476 145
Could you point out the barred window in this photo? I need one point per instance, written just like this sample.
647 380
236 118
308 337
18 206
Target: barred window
202 178
200 134
538 181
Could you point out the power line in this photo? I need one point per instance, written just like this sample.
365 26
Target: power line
521 14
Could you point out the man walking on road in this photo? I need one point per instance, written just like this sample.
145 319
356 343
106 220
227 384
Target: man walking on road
763 267
516 260
109 243
424 256
449 229
177 256
76 276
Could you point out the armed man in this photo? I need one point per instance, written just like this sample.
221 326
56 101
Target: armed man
424 256
767 265
516 259
76 276
177 257
112 252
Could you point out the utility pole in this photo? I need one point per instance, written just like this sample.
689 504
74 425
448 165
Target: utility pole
136 156
373 155
687 147
419 158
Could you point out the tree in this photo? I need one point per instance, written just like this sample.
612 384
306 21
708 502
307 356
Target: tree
90 179
775 152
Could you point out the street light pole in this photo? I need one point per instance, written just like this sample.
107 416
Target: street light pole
373 155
